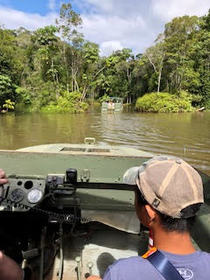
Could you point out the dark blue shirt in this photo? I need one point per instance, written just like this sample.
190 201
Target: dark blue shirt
195 266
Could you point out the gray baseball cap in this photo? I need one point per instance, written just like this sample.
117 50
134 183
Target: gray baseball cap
167 183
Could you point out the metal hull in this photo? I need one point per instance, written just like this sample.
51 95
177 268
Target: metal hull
110 229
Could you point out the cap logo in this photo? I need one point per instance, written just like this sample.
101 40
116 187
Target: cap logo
156 202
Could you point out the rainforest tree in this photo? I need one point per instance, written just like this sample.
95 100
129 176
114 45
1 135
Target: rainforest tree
55 67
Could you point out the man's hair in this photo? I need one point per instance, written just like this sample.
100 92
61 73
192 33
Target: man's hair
183 224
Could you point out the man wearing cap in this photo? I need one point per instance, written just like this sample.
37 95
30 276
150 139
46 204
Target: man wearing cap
168 196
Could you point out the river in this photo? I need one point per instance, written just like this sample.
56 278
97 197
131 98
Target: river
186 135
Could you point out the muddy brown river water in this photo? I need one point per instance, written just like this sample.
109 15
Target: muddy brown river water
185 135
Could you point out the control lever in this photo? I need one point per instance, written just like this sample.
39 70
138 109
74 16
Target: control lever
78 268
90 266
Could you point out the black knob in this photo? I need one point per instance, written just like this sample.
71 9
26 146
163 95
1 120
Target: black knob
71 175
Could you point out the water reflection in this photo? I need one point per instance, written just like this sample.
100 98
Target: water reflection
184 135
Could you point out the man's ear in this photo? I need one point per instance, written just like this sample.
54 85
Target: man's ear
150 212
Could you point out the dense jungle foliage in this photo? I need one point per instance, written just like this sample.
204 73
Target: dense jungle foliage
54 69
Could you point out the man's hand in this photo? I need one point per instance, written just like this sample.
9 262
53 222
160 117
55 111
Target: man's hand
3 179
9 270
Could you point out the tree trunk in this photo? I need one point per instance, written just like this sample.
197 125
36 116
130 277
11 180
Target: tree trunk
159 79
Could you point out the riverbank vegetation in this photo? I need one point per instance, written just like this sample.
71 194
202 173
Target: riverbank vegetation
54 69
164 102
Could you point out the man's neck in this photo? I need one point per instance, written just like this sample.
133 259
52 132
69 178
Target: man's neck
173 242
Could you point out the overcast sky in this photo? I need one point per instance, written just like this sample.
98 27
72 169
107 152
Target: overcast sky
113 24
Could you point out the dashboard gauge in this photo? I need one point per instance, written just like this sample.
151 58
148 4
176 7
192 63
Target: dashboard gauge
34 196
17 195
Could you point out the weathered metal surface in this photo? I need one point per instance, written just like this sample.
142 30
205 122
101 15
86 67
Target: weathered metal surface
101 247
106 199
103 168
98 244
106 169
201 229
122 220
87 149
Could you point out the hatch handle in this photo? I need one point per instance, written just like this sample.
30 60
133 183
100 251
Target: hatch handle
90 140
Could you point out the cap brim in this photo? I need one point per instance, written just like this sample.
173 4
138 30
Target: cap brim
130 177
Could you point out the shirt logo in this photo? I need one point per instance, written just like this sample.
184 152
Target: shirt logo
186 273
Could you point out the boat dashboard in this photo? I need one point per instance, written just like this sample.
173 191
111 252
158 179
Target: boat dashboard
90 224
62 197
25 192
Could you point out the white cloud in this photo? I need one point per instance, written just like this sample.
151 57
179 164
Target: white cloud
168 9
133 24
110 46
123 21
52 5
13 19
107 30
123 8
106 6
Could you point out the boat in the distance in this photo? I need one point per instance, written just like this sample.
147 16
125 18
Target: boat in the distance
114 104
